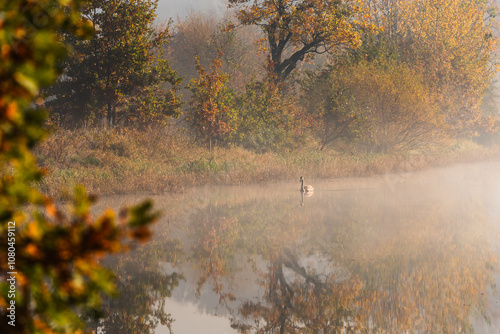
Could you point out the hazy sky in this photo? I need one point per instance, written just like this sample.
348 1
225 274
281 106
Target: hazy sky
174 8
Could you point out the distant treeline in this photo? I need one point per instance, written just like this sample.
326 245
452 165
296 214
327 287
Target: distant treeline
367 75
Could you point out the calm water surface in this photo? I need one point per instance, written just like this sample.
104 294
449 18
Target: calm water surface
412 253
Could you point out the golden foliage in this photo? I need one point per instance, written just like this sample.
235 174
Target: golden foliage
450 43
306 27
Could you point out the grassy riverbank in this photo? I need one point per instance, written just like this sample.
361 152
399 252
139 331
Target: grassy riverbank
152 162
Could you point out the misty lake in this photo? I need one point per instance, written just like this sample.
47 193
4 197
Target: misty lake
414 253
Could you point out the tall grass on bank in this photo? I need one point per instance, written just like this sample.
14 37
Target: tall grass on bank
123 161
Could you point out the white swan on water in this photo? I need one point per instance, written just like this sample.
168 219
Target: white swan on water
303 188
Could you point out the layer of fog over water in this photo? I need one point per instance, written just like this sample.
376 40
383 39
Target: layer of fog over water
408 252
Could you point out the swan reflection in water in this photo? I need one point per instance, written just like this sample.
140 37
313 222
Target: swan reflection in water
305 191
304 194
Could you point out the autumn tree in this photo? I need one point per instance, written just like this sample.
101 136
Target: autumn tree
50 255
296 31
122 62
453 44
211 114
450 43
202 35
382 106
270 117
335 113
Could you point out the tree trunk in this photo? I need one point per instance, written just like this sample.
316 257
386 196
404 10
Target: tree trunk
114 113
110 115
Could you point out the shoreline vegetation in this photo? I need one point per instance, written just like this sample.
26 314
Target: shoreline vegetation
124 161
270 92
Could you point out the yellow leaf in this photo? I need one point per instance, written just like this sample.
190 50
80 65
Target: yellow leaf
26 82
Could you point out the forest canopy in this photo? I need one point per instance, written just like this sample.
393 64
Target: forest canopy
301 51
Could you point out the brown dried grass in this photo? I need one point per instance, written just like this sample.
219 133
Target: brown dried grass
161 160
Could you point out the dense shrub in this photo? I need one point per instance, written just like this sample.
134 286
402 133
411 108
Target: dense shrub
381 106
270 118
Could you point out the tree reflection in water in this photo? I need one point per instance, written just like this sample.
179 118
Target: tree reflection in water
300 300
365 263
403 269
143 288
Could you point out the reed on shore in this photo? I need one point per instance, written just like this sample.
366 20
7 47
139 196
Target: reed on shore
123 161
